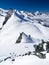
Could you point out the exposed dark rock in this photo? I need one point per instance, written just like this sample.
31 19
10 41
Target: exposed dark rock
29 53
19 38
9 13
19 55
26 53
7 58
23 55
13 59
40 55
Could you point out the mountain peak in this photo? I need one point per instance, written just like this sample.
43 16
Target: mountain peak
37 13
23 38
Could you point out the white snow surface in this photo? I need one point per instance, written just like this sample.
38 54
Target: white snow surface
28 23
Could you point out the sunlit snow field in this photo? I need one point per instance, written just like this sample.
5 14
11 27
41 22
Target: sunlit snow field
36 25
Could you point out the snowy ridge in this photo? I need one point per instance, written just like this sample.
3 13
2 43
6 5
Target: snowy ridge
20 35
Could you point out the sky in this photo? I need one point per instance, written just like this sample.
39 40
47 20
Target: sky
26 5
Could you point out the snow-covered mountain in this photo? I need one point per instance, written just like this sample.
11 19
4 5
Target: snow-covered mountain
20 30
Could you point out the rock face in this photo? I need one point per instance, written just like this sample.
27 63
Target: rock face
23 38
19 38
9 13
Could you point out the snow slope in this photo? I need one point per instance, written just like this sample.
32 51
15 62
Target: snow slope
16 22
